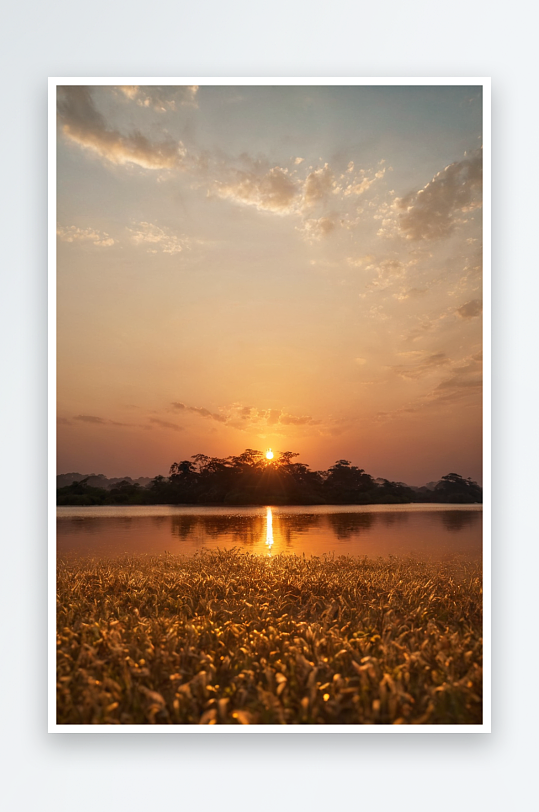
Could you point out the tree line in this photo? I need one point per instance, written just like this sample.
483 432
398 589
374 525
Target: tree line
251 479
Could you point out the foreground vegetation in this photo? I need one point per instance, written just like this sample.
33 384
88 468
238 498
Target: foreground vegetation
251 479
232 638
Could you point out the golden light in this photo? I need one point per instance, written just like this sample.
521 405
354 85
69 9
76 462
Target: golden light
269 529
269 454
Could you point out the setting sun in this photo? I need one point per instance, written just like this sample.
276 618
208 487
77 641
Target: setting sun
269 454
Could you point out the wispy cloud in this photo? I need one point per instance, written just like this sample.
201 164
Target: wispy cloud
470 309
246 418
158 239
75 234
161 97
422 367
202 412
316 229
412 293
90 418
165 424
463 384
98 421
466 379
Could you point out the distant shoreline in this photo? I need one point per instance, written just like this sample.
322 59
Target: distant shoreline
226 506
250 480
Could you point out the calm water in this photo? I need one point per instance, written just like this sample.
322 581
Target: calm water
439 532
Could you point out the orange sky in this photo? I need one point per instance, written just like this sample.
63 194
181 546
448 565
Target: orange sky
290 267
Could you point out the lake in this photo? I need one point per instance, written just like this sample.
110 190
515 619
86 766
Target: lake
425 531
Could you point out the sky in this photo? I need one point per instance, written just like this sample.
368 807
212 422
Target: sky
295 268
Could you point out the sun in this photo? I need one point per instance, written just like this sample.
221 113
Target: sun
269 454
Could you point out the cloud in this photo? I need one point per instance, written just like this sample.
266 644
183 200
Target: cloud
249 418
273 191
466 380
273 416
389 268
82 123
426 324
292 420
354 182
425 366
90 418
98 421
158 239
361 183
164 424
283 190
317 229
74 234
206 413
413 293
464 384
386 272
318 185
434 211
198 410
470 309
161 97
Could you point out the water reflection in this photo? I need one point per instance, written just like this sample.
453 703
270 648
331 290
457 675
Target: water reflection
439 532
455 520
242 529
347 525
269 530
291 526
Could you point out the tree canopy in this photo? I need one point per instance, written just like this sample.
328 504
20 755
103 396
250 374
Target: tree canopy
251 479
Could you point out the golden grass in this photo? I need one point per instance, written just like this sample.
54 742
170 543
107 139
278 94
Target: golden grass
232 638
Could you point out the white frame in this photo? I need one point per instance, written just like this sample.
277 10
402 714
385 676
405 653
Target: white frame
485 727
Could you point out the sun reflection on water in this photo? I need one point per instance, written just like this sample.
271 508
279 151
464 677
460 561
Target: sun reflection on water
269 530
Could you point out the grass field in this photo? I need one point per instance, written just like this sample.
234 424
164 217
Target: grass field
231 638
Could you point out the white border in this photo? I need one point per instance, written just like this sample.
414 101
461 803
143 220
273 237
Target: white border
485 83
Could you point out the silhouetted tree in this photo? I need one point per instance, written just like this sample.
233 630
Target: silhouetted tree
285 457
454 488
250 479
